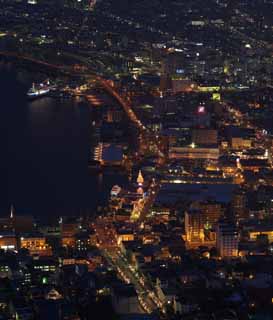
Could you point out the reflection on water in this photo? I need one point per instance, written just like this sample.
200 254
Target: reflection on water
54 179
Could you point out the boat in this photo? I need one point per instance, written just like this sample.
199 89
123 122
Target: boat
37 91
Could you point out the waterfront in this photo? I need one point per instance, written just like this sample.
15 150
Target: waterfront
56 148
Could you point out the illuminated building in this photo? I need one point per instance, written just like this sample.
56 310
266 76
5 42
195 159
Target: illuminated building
125 235
209 89
8 241
98 152
114 115
68 232
254 164
44 265
240 138
109 154
180 84
198 230
5 271
255 231
68 241
194 224
206 177
238 205
200 221
238 143
160 214
36 244
194 152
82 241
204 136
211 210
227 240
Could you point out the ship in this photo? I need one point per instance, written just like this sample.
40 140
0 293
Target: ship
37 91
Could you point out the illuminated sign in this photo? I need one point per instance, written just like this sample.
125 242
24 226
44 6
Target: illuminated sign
201 109
216 96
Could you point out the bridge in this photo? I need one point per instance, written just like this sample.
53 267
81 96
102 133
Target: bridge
33 63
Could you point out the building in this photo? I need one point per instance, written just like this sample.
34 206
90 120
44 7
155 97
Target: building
171 193
211 210
109 154
240 138
256 230
194 224
125 235
198 230
254 164
238 205
83 241
200 221
68 232
194 152
8 241
227 240
239 143
5 271
114 115
36 244
45 265
204 137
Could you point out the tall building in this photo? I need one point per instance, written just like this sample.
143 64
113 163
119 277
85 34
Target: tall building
198 229
200 222
227 240
238 205
211 210
194 225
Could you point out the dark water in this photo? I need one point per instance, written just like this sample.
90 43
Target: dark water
49 147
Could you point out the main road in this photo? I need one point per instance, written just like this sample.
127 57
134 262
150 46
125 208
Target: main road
107 243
